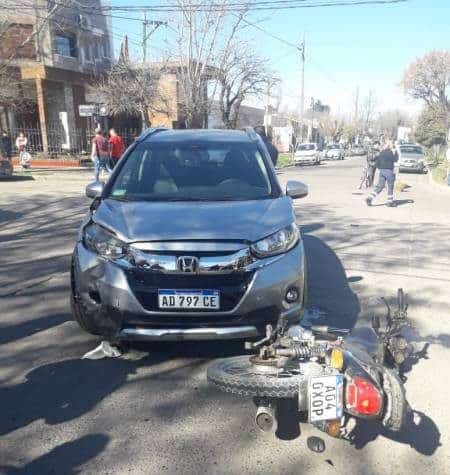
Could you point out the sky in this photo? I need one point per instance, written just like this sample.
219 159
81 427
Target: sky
347 47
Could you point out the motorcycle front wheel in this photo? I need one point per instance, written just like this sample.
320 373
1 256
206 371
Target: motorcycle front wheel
238 375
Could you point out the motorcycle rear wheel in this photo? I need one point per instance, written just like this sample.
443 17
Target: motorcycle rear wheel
237 375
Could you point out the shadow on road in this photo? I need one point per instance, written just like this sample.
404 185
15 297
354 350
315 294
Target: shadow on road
18 178
328 285
65 390
419 432
30 327
397 203
65 459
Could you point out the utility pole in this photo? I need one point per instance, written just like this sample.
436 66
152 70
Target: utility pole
146 35
267 113
144 38
301 48
357 104
357 113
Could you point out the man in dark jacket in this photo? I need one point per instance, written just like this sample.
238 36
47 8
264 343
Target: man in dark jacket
385 164
273 152
5 145
372 155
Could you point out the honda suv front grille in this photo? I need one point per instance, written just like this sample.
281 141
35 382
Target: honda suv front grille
145 286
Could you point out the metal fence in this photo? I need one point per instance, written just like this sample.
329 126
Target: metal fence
59 143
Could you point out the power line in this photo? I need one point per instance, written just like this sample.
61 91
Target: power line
249 6
232 7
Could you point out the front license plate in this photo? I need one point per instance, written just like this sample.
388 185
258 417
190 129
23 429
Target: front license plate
326 397
189 299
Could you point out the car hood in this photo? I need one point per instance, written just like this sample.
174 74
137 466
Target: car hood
174 221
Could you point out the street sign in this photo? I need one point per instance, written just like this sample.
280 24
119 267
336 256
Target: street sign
87 110
103 110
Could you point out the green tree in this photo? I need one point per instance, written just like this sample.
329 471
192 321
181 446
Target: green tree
432 127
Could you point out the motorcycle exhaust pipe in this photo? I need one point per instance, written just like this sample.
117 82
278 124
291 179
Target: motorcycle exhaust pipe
266 418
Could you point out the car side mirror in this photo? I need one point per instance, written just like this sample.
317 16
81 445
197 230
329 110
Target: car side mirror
95 189
296 189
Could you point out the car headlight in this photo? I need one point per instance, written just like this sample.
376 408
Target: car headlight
277 243
103 242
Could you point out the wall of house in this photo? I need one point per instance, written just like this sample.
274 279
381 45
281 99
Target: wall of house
90 33
165 111
11 40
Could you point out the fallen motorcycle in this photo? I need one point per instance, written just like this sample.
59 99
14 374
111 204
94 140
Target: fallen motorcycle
334 374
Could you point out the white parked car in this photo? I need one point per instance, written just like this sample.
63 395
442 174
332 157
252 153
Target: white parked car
307 153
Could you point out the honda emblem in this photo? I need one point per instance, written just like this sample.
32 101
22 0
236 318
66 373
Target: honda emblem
188 264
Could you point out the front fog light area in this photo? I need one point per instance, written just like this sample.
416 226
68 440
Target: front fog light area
292 295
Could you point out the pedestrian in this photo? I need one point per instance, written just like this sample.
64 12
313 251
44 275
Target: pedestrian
100 153
385 164
116 147
372 154
273 152
21 145
6 145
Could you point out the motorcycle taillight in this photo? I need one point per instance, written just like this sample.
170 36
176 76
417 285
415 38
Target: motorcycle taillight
362 397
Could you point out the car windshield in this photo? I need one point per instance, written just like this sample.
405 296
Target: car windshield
228 171
411 149
306 147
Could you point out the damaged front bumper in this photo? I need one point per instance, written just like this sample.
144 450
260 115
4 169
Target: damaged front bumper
114 299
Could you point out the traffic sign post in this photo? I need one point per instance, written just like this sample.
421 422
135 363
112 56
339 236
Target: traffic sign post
87 110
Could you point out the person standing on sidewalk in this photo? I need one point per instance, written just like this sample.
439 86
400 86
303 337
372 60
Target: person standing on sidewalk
385 164
116 147
21 145
273 152
6 145
100 153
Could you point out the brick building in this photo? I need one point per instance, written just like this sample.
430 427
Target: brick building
54 49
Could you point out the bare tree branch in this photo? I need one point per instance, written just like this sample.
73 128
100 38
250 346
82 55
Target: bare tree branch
428 79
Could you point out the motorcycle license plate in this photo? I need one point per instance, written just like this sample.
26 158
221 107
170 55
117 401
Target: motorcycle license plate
325 397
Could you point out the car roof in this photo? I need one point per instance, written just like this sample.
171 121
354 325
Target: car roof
197 135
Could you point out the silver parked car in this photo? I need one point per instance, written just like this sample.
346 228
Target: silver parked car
191 238
357 150
334 152
411 158
307 153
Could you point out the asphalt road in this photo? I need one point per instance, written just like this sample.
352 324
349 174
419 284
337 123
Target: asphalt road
152 411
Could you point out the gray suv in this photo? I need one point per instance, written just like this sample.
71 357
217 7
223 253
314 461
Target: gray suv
191 238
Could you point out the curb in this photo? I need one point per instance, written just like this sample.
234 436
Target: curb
53 169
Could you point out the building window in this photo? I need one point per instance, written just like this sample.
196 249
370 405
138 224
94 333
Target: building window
101 50
106 48
87 53
95 50
66 45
